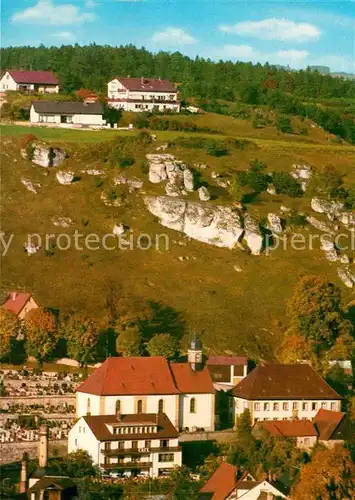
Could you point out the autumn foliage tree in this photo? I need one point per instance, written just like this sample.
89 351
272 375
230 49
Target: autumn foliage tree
82 335
329 476
163 345
41 333
129 342
9 325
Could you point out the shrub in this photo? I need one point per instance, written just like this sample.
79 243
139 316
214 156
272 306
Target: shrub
284 125
285 184
218 149
142 120
144 138
126 161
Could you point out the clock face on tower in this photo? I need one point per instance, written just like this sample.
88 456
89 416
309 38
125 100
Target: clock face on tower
198 357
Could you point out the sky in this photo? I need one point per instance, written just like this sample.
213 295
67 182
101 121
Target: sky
297 33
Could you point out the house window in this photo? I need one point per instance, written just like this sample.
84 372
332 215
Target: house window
163 443
192 405
314 406
118 406
161 406
295 406
107 460
148 443
324 406
139 406
134 445
121 445
166 457
285 406
266 407
88 407
306 441
276 406
304 406
333 406
256 406
107 446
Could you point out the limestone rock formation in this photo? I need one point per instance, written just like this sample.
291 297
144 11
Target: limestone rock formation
346 276
62 221
274 223
65 178
45 156
252 235
327 207
31 186
321 226
118 229
188 180
204 194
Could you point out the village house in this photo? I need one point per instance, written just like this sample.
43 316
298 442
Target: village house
227 371
142 94
20 303
67 113
333 427
144 444
129 385
283 392
302 431
227 484
29 81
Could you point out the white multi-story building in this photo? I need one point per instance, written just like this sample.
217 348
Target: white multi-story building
29 81
145 444
142 94
283 392
183 391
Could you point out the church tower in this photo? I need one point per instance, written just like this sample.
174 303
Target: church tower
194 354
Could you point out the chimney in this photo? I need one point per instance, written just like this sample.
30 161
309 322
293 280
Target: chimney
118 416
43 445
142 80
23 477
13 296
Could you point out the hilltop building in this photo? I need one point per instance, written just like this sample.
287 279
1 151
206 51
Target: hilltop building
20 303
67 113
29 81
142 94
283 392
144 444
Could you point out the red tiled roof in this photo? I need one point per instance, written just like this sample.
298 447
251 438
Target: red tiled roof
146 84
188 380
326 423
131 375
274 381
38 77
227 360
16 301
98 425
222 482
288 428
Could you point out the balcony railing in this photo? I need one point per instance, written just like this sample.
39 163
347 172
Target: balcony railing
127 465
140 451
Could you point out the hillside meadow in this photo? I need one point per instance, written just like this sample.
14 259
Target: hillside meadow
239 312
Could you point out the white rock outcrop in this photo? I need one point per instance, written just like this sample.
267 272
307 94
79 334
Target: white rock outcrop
31 186
346 277
327 207
172 189
45 156
132 184
118 229
188 180
65 178
271 189
204 194
328 246
320 225
31 248
274 223
302 173
220 226
93 171
348 219
252 235
62 221
157 173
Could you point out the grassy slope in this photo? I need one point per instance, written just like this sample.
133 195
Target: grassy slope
235 311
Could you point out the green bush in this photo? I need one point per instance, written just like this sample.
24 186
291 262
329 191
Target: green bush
285 184
126 161
284 125
218 149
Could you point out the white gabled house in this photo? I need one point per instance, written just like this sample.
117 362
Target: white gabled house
137 385
142 94
29 81
67 113
144 444
284 392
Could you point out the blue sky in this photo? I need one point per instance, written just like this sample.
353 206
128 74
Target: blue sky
298 33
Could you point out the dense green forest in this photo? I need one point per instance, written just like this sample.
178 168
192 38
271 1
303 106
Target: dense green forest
207 82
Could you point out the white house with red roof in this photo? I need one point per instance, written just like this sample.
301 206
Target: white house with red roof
29 81
137 385
20 303
142 94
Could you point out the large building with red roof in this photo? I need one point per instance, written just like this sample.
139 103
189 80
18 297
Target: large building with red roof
142 94
29 81
183 391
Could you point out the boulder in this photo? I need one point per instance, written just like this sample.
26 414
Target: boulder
344 259
301 171
118 229
163 147
204 194
348 219
346 277
45 156
188 180
285 209
326 207
31 186
252 235
132 184
93 171
237 268
218 225
172 189
31 248
274 223
271 189
62 221
157 173
65 178
321 226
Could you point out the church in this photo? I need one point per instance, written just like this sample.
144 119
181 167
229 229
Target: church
151 385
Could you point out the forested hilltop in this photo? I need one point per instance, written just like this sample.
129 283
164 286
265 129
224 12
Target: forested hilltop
93 65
